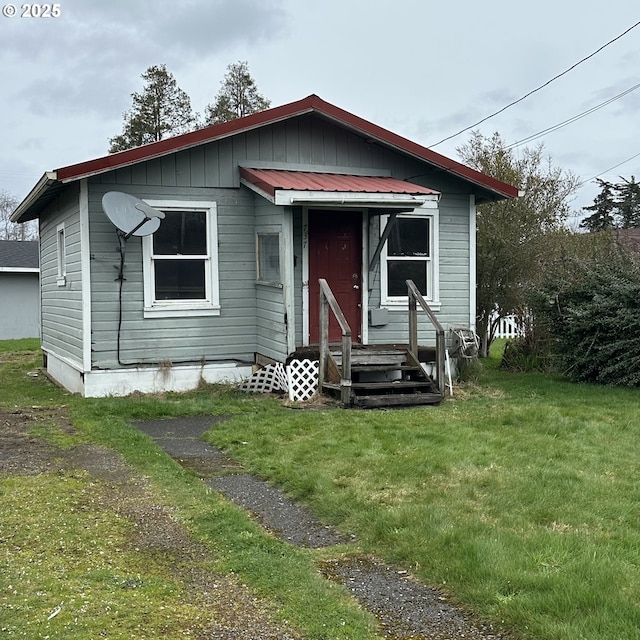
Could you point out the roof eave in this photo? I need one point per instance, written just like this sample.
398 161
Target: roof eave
27 209
424 154
310 104
40 188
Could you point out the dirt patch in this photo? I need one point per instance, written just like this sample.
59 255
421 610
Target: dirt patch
118 488
22 453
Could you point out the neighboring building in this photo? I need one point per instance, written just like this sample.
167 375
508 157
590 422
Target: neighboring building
628 238
257 210
19 290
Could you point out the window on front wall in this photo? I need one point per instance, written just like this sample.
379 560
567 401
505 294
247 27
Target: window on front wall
268 258
408 255
180 261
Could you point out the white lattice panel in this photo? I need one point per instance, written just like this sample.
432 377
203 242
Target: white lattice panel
302 376
266 380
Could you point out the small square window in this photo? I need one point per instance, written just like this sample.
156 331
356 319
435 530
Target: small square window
268 258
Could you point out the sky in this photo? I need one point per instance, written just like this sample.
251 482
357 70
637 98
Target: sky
422 69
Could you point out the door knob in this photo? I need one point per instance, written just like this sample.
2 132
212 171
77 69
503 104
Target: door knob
355 286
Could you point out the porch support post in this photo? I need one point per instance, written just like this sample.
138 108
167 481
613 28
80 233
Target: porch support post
383 238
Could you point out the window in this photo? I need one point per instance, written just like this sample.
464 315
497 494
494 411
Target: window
268 258
61 256
181 261
408 255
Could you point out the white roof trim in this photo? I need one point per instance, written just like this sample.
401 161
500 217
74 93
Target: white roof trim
41 187
19 270
291 197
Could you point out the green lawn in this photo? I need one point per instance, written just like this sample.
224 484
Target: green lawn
521 498
519 495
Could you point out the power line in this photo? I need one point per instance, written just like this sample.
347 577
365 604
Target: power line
564 123
542 86
615 166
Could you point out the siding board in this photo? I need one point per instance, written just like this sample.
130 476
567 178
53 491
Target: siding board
168 170
197 175
139 173
183 169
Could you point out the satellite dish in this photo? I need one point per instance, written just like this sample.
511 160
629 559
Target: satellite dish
130 215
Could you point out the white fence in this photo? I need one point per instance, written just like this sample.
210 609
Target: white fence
509 327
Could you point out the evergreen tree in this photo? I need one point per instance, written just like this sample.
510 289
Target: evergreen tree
238 96
162 109
628 203
603 217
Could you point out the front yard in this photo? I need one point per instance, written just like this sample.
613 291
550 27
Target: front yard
518 496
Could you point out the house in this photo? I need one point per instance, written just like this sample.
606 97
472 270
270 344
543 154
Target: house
257 211
629 239
19 290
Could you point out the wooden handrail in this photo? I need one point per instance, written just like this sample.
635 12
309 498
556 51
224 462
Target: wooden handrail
328 301
415 298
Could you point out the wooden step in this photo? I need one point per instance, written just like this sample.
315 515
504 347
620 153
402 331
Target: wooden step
382 377
397 400
383 367
388 385
373 358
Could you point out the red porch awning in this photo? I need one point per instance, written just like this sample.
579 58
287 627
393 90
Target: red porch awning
285 187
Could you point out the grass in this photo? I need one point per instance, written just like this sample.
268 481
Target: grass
72 575
63 555
521 499
519 496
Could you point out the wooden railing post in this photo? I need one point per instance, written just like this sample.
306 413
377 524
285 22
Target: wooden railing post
328 303
415 298
413 325
324 337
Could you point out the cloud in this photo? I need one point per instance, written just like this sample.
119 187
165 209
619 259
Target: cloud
91 57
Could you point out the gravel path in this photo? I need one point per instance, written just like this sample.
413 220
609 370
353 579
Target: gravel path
405 608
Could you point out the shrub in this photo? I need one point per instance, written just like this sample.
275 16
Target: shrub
469 369
594 319
526 354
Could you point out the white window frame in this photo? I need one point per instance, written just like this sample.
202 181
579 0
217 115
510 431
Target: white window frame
61 256
210 305
432 260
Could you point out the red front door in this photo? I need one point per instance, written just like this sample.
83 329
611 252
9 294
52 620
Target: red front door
335 254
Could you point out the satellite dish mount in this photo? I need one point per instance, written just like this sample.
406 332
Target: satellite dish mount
131 217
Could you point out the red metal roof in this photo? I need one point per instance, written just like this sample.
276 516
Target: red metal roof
50 183
268 180
310 104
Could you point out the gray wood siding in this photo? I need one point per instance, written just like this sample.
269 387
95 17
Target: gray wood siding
304 141
231 335
271 329
62 305
454 261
